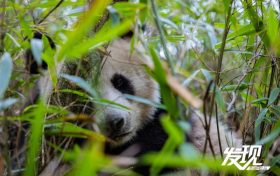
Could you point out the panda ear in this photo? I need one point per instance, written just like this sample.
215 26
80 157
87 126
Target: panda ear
30 63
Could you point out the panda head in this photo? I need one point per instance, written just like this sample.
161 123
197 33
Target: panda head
124 73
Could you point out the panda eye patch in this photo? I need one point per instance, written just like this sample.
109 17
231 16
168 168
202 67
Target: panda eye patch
122 84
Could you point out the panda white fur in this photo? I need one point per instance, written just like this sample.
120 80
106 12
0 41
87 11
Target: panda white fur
123 72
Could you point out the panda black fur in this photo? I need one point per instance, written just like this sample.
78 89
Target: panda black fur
140 127
150 138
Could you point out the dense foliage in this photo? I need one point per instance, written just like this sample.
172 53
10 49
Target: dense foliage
222 54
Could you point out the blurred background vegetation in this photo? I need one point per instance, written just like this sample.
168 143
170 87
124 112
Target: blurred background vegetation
233 44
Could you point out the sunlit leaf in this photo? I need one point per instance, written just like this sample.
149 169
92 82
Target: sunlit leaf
207 75
109 103
273 28
81 83
34 141
71 130
144 101
7 103
85 24
259 101
37 48
6 67
107 33
190 78
92 153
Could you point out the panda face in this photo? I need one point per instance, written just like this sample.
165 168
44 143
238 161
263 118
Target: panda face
123 73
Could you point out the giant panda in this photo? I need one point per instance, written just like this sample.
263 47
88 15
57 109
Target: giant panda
123 72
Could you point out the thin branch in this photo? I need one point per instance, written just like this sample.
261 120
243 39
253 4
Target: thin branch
51 11
218 72
162 36
206 125
218 130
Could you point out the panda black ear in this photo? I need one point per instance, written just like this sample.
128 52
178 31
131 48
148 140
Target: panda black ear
30 64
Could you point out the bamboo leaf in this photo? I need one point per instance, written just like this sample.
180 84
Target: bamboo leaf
7 103
107 33
220 100
6 67
37 49
35 139
258 122
273 96
144 101
271 136
71 130
238 87
84 24
81 83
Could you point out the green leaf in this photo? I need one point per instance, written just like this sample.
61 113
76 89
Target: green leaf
76 92
128 6
158 72
173 130
114 15
226 4
92 153
220 100
272 27
84 25
275 110
273 96
106 102
168 22
187 150
71 130
243 30
190 78
128 9
238 87
258 122
81 83
37 49
7 103
35 139
6 66
260 101
106 34
275 132
13 39
207 75
274 161
144 101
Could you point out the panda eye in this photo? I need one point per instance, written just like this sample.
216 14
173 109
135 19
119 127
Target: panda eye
122 84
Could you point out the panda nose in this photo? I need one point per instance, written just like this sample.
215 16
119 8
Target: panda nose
116 124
